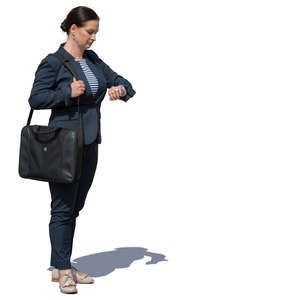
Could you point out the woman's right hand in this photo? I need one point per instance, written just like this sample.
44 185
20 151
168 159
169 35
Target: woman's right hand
77 87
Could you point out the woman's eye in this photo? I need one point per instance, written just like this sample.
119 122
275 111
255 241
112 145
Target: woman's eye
90 33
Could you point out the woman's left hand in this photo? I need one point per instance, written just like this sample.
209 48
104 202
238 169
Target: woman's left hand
115 92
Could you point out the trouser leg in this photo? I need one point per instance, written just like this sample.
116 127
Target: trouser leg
62 223
54 251
91 160
67 200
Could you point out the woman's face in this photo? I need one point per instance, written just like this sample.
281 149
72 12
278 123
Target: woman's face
86 35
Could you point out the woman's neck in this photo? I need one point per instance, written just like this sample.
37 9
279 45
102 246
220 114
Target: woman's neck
73 49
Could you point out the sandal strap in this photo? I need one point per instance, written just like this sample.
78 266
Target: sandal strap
80 274
69 281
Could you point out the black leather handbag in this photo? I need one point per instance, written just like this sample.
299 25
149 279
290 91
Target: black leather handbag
52 154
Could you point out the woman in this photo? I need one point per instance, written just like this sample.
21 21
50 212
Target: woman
54 87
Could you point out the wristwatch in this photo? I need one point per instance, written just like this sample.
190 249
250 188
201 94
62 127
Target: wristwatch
124 90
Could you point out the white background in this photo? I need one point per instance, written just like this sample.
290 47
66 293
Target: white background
201 165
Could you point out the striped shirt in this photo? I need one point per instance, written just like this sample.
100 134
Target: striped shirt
91 78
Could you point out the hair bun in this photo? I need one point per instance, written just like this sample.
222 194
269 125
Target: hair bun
63 26
78 15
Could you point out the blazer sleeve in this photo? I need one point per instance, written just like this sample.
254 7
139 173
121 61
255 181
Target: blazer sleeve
43 94
113 78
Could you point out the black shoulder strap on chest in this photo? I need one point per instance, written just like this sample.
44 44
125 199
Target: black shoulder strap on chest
68 65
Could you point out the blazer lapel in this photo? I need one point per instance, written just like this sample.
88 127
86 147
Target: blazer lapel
75 66
96 72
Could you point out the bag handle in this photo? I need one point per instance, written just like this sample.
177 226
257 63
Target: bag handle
68 65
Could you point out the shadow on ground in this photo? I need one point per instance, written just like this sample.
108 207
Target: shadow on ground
103 263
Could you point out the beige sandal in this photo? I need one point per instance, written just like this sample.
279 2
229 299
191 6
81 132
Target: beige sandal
81 277
78 276
67 285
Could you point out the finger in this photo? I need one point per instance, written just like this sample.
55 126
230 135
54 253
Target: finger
112 95
119 92
109 94
116 92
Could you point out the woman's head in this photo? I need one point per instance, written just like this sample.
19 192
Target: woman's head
82 24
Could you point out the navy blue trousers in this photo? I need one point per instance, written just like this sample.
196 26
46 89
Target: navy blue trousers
67 199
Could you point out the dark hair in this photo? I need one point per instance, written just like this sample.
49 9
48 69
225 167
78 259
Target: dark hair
78 16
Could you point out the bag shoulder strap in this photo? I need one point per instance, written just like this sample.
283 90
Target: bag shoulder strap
65 62
68 65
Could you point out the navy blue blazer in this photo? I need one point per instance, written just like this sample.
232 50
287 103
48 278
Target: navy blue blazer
51 89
